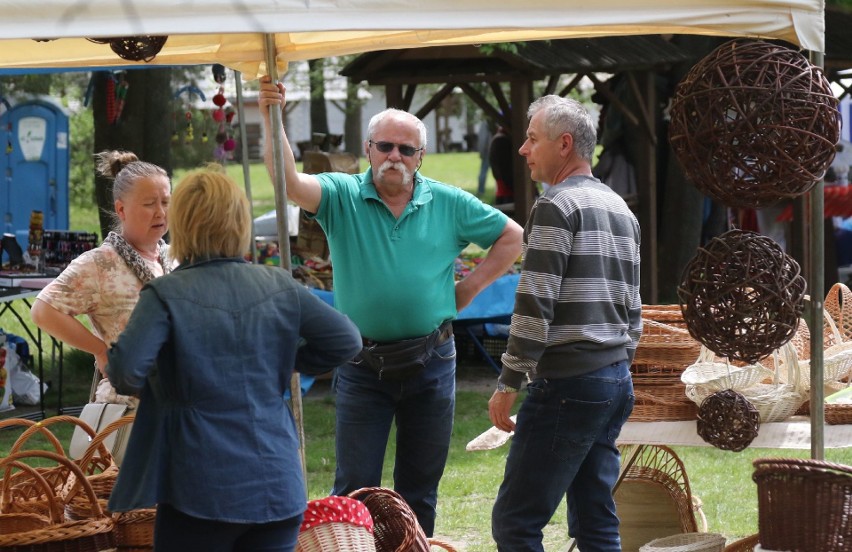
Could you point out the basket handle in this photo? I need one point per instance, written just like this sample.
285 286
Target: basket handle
97 511
97 446
55 510
32 428
42 427
838 302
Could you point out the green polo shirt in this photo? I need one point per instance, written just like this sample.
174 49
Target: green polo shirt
395 277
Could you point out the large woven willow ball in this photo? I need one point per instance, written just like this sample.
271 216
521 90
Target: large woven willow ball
742 296
753 123
728 421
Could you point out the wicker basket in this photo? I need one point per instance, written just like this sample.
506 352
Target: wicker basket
687 542
658 403
838 303
775 401
654 498
97 461
662 344
134 530
90 535
837 357
707 376
395 527
331 537
804 505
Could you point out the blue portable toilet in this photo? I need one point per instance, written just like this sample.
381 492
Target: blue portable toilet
34 166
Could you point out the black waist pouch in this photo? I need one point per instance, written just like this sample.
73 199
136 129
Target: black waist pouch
400 360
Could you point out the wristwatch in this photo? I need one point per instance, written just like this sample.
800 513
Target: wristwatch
503 388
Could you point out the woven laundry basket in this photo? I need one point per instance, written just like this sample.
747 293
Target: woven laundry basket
687 542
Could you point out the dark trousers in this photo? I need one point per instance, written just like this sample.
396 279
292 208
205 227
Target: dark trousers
175 531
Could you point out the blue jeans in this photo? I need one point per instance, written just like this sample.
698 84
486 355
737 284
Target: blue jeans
423 407
564 445
175 531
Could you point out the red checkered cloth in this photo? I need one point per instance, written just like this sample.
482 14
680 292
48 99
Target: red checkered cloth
337 509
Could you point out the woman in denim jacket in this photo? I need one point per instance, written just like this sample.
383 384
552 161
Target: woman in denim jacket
210 349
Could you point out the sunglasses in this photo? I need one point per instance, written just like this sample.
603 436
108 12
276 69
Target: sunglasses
387 147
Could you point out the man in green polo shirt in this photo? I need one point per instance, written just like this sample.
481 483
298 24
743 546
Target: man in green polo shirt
394 235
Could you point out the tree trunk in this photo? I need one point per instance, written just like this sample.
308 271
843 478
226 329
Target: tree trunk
319 114
143 127
352 131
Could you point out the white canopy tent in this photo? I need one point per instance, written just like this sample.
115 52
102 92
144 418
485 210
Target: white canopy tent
253 35
231 32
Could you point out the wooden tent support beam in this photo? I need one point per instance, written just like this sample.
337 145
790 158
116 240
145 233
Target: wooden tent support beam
436 99
650 128
480 101
503 103
603 88
570 86
552 81
408 97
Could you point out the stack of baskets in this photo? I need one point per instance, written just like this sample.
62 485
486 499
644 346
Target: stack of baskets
32 509
665 350
62 507
775 397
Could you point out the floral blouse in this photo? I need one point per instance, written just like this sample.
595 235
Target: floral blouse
100 285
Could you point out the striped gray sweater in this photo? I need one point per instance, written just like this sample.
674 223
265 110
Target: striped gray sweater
577 308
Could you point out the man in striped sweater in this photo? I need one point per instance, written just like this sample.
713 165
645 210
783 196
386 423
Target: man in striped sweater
575 327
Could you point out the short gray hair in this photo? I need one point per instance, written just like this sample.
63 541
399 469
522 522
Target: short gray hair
391 111
565 115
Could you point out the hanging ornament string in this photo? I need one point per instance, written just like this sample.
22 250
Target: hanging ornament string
189 135
120 97
110 99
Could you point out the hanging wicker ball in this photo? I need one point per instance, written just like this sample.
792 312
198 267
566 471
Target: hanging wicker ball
138 48
742 296
753 123
727 420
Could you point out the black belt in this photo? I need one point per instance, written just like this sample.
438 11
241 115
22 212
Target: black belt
444 331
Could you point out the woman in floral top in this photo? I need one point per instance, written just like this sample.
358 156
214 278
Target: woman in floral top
104 283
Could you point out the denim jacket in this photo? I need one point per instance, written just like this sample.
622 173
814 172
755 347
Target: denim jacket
210 349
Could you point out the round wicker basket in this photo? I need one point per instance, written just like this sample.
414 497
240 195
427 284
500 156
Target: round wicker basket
687 542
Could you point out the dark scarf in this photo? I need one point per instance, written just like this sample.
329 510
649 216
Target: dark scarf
134 260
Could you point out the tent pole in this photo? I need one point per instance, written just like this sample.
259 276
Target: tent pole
279 185
816 278
238 81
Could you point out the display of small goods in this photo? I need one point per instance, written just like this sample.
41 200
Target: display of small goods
470 258
60 247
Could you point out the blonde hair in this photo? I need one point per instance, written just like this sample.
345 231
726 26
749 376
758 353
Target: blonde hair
209 217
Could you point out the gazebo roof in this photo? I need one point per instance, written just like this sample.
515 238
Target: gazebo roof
530 60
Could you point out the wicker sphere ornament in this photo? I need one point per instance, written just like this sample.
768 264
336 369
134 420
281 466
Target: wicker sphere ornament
137 48
727 420
742 296
753 123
